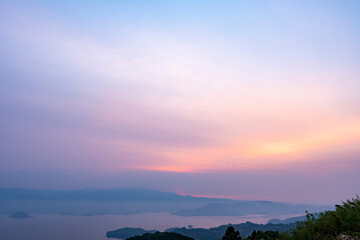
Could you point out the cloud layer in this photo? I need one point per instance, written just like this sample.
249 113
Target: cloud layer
181 87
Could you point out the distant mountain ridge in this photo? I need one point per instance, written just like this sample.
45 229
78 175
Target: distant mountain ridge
128 201
214 233
291 220
244 207
115 194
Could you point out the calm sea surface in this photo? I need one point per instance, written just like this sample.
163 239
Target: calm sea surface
60 227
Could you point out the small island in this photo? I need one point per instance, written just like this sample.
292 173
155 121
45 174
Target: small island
19 214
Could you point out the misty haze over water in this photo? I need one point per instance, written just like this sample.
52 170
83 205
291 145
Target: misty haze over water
90 213
61 227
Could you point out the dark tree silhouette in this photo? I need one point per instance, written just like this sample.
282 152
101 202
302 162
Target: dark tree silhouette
161 236
231 234
268 235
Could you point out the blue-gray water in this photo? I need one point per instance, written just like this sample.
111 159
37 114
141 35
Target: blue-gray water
61 227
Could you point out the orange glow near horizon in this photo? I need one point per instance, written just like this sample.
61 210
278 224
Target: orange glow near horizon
228 98
179 169
260 154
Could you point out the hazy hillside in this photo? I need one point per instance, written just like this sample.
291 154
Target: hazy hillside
118 194
214 233
127 201
246 207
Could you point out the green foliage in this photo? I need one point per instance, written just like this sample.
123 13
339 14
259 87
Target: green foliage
231 234
344 221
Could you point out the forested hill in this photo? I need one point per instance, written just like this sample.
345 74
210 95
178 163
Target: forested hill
342 223
214 233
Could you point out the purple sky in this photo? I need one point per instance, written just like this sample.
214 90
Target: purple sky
249 100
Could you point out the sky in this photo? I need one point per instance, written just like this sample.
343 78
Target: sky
250 100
